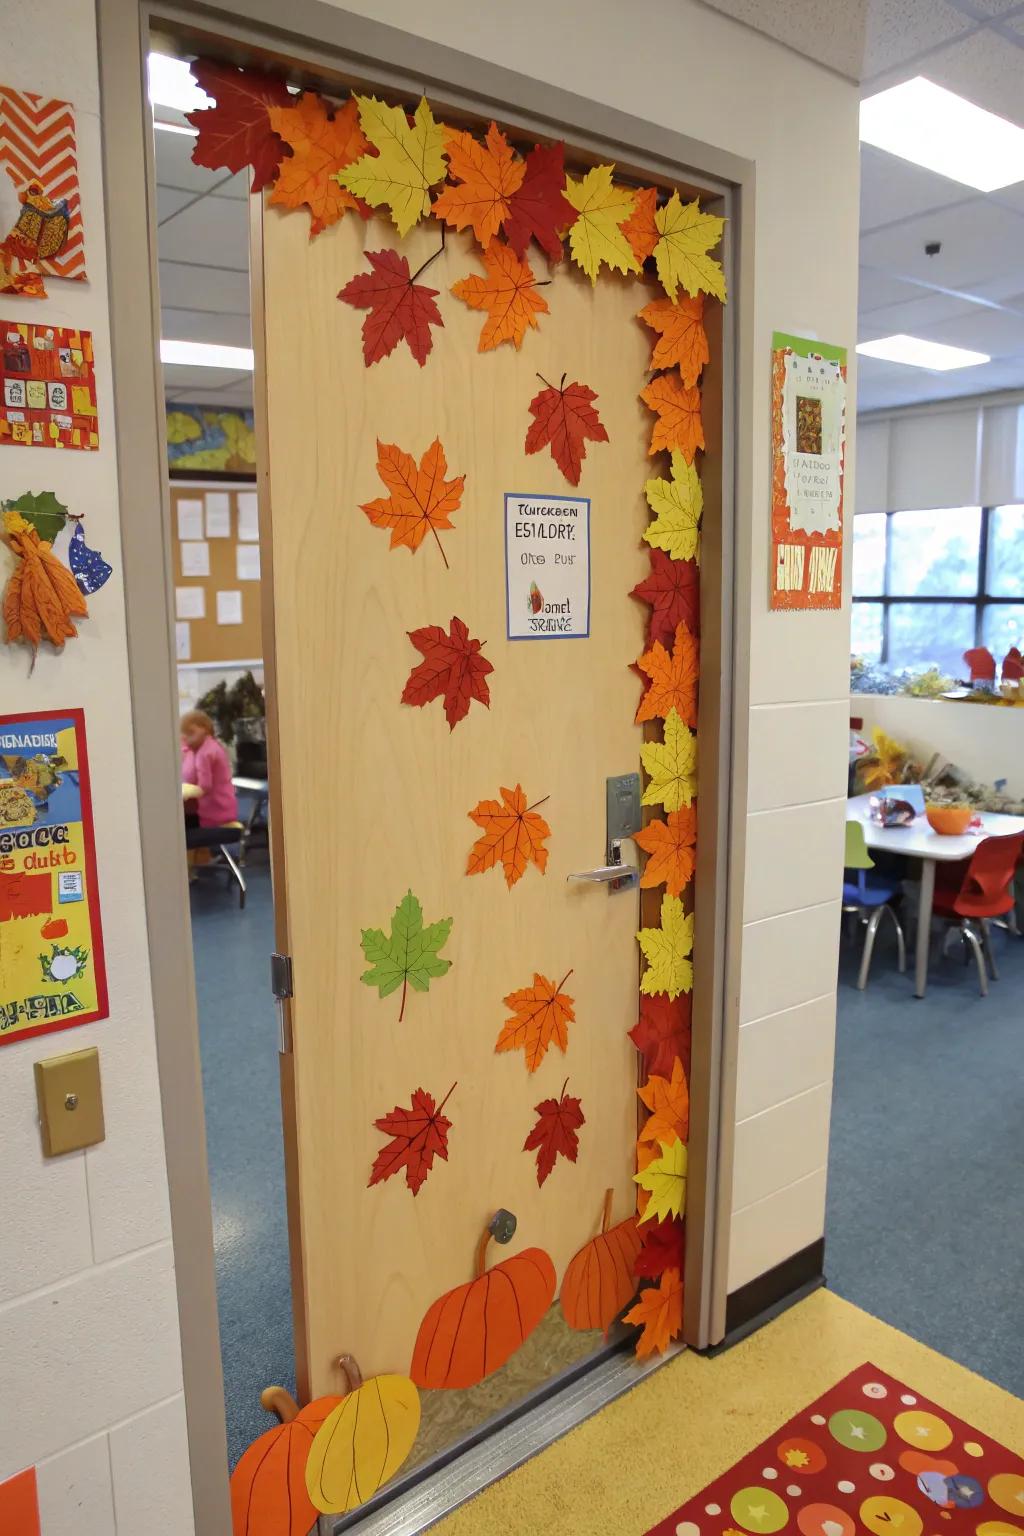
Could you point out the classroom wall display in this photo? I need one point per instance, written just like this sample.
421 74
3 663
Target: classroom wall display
216 552
40 209
808 450
49 387
52 971
202 437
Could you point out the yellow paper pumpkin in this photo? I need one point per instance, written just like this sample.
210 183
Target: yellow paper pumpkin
363 1442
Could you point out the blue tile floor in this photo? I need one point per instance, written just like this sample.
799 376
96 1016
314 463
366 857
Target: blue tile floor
925 1224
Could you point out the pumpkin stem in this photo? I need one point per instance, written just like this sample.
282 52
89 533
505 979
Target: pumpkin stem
481 1251
278 1400
353 1375
609 1196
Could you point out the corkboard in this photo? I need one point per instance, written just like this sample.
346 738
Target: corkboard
210 641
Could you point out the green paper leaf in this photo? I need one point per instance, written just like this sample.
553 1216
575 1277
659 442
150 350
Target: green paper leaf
42 509
409 955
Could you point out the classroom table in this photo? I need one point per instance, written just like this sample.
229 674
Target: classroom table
919 841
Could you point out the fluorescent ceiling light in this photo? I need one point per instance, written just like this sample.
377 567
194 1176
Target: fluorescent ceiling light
175 128
171 85
204 354
933 127
917 353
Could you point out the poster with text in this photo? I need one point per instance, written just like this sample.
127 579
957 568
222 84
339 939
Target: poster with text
547 567
808 446
52 973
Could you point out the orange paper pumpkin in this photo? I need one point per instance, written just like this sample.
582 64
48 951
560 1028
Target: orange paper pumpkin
600 1280
471 1331
268 1486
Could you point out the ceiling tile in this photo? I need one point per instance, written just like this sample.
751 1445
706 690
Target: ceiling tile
235 186
994 331
893 189
174 168
187 286
169 201
932 309
202 325
986 68
980 240
184 376
214 231
1012 197
878 288
820 29
900 29
988 8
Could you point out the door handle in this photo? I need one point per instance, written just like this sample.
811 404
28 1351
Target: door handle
617 875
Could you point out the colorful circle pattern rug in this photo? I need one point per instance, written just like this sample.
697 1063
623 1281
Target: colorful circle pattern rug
871 1455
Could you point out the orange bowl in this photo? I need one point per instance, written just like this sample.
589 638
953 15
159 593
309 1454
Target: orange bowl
951 820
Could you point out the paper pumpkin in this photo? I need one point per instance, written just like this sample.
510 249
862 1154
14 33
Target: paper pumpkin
600 1279
470 1332
268 1486
363 1441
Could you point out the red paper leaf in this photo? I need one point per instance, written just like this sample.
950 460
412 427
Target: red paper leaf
452 668
664 1247
419 1134
540 209
673 591
565 418
237 132
400 309
554 1134
662 1033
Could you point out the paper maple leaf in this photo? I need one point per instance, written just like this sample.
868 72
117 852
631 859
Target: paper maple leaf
400 309
419 1134
681 256
670 846
668 1099
662 1033
666 950
659 1312
487 175
565 418
540 1015
640 229
682 342
664 1247
237 132
321 144
540 208
673 679
409 161
420 499
677 505
508 294
408 956
664 1180
672 766
673 591
601 209
452 668
512 832
678 410
554 1134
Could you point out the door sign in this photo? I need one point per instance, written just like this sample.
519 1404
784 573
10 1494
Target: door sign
547 567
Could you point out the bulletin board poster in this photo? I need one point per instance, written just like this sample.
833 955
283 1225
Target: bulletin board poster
48 386
52 972
547 567
808 447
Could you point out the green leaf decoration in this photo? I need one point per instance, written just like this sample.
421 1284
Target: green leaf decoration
42 509
409 955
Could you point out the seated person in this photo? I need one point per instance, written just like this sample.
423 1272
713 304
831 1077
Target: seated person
206 772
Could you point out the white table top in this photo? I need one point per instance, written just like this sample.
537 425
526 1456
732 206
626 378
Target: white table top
919 841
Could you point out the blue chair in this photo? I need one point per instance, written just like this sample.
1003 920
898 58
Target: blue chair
868 899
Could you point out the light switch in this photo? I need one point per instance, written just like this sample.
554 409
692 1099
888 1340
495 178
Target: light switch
70 1101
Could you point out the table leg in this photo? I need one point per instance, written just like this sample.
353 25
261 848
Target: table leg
924 926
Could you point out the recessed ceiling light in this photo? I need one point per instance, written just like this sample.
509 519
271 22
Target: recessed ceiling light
204 354
171 85
933 127
175 128
917 353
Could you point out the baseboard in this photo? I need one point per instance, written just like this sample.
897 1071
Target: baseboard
763 1298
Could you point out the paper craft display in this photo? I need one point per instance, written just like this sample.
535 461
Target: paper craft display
686 235
980 664
672 591
183 641
663 1182
190 602
671 766
408 956
554 1132
659 1313
421 498
682 341
671 851
511 833
52 971
363 1441
49 387
49 517
452 669
247 562
322 141
640 229
40 207
88 567
596 235
599 1279
667 1100
677 505
418 1135
679 428
19 1504
663 1246
200 438
190 520
398 308
470 1332
662 1033
808 427
547 567
1013 666
42 599
218 517
539 209
229 607
673 679
563 420
235 131
405 160
666 950
507 295
541 1016
248 516
195 558
268 1486
481 181
871 1454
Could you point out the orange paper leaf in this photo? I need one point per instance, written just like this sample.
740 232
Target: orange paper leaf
420 499
668 1100
670 848
540 1015
678 411
488 174
673 679
322 144
512 833
508 294
659 1312
681 340
640 229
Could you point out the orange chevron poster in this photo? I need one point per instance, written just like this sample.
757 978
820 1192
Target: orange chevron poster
40 210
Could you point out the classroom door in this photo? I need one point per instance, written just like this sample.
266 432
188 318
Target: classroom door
376 788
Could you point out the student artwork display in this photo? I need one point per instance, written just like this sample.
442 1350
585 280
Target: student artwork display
408 956
452 669
421 499
268 1486
40 208
52 971
49 387
512 834
600 1278
363 1441
399 308
563 420
554 1133
199 437
49 517
42 599
541 1015
418 1135
808 453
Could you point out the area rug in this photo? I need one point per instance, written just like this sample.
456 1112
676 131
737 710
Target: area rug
871 1454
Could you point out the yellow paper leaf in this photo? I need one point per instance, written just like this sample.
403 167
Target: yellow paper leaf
677 505
671 765
664 1179
410 161
602 209
681 254
666 950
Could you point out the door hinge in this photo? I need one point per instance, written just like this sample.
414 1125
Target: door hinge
281 986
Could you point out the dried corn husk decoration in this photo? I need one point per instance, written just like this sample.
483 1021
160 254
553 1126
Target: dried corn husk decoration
42 596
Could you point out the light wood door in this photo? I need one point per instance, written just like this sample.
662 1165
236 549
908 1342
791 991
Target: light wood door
373 795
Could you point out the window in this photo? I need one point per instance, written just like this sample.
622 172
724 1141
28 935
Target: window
929 585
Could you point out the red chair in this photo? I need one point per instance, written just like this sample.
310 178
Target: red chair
985 891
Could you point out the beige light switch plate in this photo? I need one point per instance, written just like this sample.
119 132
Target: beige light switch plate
70 1101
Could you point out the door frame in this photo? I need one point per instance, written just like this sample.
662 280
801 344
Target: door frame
328 40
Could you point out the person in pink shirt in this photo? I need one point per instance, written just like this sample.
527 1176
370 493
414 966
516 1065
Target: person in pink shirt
206 768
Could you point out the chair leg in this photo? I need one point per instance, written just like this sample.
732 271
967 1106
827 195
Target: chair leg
986 944
236 871
901 948
971 938
869 944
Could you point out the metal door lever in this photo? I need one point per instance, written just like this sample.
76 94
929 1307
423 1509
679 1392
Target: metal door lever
619 876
